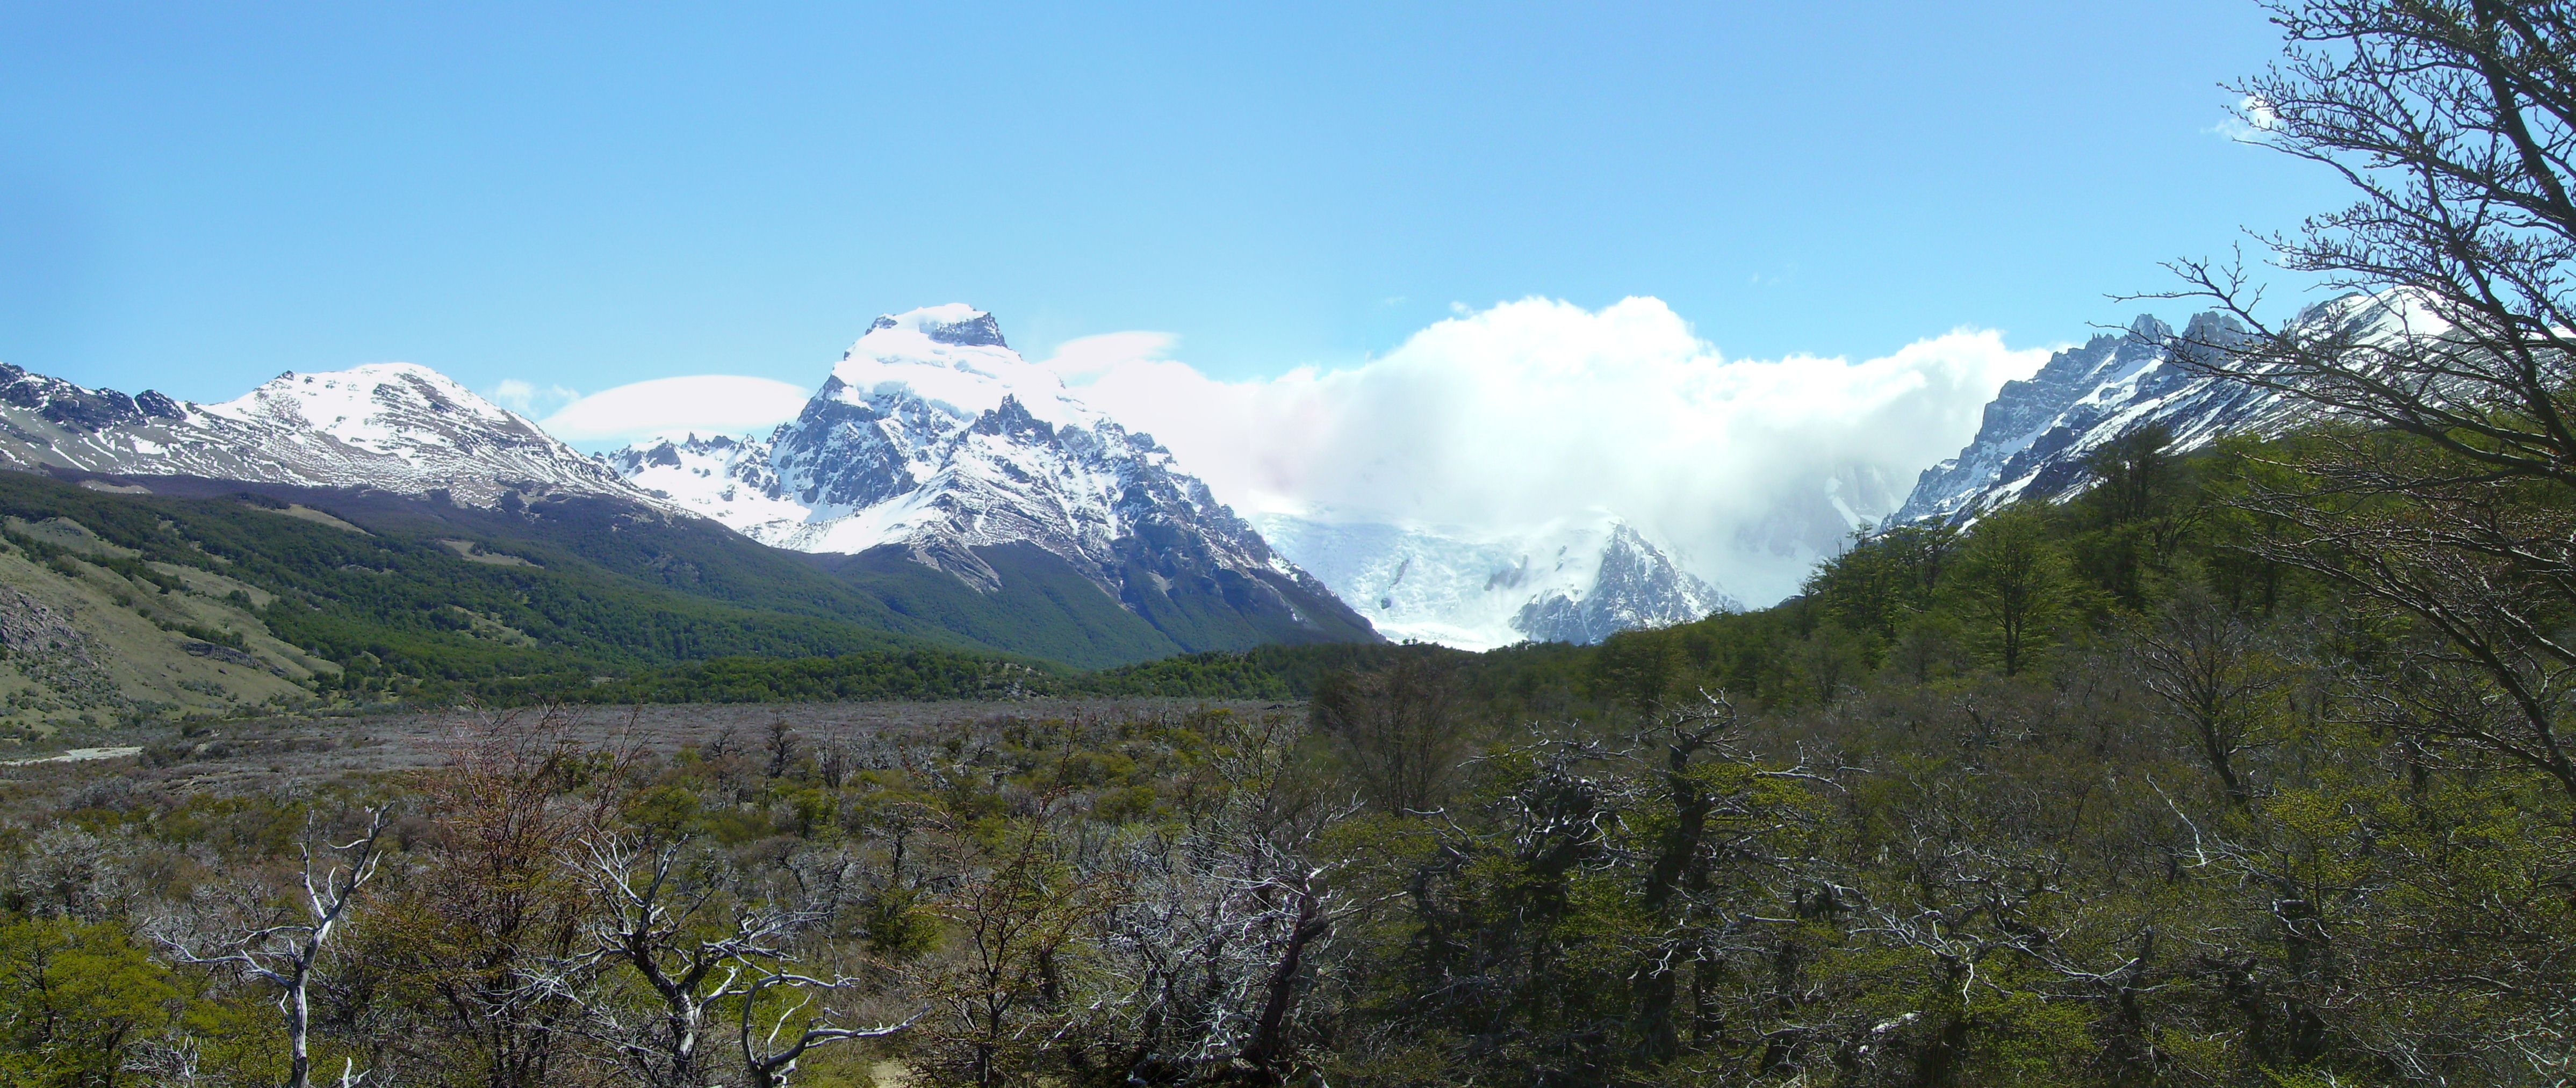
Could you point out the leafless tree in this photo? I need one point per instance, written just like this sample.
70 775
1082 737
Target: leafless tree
833 760
2455 123
703 953
2204 662
285 953
1400 729
2444 486
784 745
1213 949
491 904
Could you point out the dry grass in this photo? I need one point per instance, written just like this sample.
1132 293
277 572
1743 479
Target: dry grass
263 755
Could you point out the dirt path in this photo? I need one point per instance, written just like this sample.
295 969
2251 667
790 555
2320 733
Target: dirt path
77 755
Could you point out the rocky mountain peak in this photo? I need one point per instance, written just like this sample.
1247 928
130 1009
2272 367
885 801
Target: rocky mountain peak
933 439
2037 433
954 323
1578 579
396 427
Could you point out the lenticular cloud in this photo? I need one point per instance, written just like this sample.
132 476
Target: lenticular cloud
1536 410
704 403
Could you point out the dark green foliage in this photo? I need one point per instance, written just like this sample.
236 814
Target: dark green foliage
907 674
435 601
1195 676
1048 610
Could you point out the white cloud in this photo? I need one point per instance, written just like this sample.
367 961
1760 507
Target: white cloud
2251 119
1092 356
1508 417
704 403
528 400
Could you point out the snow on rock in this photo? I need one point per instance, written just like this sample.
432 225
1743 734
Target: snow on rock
933 435
2037 433
1573 580
723 477
393 426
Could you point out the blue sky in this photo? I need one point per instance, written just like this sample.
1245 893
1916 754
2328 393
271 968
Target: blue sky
195 198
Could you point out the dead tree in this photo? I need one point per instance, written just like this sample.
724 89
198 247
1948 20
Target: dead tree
496 907
704 954
1226 919
286 953
1401 728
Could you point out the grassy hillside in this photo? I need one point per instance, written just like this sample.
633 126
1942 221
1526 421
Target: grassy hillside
1044 608
361 597
199 596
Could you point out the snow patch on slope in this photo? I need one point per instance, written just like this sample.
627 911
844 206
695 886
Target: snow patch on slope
398 427
2037 433
1570 580
934 436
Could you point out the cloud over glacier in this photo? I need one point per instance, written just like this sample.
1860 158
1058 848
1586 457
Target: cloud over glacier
1498 421
1511 416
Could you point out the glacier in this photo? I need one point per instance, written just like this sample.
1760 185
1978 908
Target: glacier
1577 579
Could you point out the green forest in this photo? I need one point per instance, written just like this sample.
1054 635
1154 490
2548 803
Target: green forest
2137 788
2246 764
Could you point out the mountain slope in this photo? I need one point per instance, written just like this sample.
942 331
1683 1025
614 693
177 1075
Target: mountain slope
373 594
2037 433
934 441
391 426
1576 581
401 442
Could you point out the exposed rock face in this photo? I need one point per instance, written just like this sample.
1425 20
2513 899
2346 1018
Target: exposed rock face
932 435
1635 586
1575 581
392 426
2037 433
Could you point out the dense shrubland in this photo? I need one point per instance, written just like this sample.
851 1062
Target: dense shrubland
2121 790
2245 768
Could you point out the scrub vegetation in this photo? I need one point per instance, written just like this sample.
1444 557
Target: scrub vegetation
2243 767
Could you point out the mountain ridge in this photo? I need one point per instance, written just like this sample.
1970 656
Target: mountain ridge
1575 580
2037 432
934 438
396 427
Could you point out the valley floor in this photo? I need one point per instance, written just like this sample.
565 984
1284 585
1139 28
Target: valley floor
260 754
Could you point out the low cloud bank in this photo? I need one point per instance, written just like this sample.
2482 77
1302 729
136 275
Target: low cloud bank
1496 421
705 403
1509 417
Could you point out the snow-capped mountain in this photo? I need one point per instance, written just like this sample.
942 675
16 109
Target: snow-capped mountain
2037 433
1576 580
934 437
391 426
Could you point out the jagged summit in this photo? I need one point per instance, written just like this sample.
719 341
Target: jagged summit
955 323
1579 579
2036 433
934 439
953 359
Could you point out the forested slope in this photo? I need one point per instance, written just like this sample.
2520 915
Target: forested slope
2133 789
